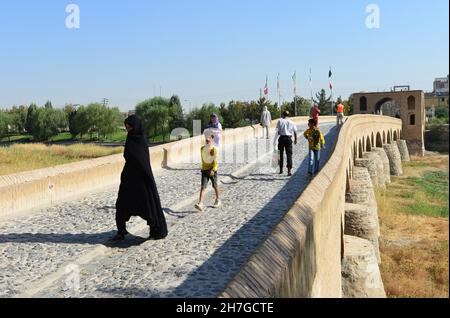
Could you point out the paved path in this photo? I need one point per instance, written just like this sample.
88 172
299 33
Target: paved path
41 254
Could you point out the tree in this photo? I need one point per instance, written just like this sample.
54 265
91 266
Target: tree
441 112
348 106
323 102
48 104
31 113
4 124
176 119
154 114
71 118
94 116
303 106
234 117
47 122
81 124
18 118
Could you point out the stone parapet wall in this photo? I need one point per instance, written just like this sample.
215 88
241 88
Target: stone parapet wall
310 239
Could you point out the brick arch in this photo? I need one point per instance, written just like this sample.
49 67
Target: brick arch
368 144
379 142
372 140
354 152
389 137
384 137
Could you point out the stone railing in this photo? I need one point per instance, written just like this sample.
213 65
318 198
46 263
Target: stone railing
307 252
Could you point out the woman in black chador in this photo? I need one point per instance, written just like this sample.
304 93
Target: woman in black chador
138 195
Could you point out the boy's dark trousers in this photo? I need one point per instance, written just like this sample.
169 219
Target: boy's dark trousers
285 143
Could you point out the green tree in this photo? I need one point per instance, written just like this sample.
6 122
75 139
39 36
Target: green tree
31 113
94 116
154 114
5 122
348 106
81 123
176 119
48 104
47 122
303 106
323 102
441 112
234 117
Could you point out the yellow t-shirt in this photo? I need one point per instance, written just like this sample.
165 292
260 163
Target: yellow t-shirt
210 159
309 135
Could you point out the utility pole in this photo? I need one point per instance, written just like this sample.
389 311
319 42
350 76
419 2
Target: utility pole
105 102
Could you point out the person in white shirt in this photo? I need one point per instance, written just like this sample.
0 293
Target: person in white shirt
285 130
266 120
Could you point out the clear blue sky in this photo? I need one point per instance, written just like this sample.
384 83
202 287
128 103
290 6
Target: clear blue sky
211 50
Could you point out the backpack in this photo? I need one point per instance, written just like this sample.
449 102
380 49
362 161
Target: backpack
316 137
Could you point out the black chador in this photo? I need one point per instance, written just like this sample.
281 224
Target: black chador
138 195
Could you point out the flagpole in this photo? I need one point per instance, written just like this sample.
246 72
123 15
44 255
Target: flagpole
279 96
310 86
295 93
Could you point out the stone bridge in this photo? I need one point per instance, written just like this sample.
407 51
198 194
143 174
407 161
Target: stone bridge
274 237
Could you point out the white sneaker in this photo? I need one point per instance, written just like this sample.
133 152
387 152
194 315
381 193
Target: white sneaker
199 207
218 204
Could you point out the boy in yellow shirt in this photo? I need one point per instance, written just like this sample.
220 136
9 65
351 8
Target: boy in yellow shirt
210 165
315 140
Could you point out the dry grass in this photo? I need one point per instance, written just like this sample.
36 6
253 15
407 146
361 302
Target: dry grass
25 157
414 233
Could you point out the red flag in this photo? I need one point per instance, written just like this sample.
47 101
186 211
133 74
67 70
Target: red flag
266 89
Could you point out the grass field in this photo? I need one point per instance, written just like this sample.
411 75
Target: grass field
118 136
25 157
414 243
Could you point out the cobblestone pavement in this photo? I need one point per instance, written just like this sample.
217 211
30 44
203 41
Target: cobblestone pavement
201 254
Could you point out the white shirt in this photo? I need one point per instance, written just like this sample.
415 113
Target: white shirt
216 132
266 118
286 127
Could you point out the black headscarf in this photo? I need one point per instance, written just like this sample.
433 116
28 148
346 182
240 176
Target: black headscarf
136 146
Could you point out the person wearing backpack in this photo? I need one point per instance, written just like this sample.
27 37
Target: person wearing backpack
316 142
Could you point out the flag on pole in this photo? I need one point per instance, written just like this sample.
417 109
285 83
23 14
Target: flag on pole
266 89
294 79
310 78
330 74
278 83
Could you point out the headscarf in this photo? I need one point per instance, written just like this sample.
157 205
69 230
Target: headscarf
136 146
215 121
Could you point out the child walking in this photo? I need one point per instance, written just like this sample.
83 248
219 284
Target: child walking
210 165
316 142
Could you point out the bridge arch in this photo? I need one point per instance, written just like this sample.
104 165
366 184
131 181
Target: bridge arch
368 144
360 149
379 141
395 135
389 140
384 137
